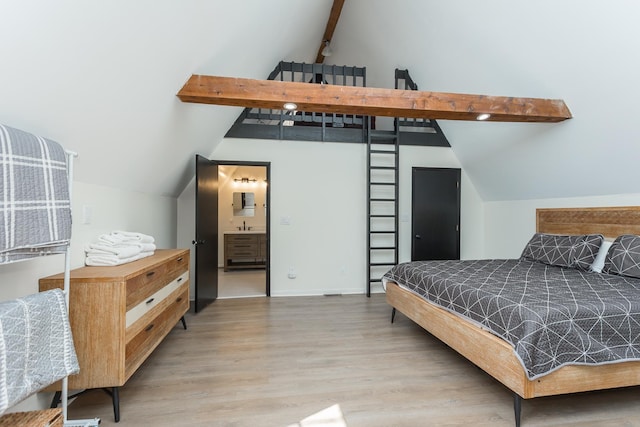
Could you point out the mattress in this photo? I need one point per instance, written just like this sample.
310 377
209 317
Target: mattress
552 316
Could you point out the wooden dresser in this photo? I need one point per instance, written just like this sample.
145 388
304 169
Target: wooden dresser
120 314
244 250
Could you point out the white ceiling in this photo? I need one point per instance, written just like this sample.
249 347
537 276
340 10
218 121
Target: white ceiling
101 78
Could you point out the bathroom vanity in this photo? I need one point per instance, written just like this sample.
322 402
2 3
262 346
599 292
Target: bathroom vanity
244 249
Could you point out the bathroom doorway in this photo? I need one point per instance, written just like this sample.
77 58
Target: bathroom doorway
243 224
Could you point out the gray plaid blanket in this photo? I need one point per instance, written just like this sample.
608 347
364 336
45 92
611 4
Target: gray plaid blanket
35 210
552 316
36 346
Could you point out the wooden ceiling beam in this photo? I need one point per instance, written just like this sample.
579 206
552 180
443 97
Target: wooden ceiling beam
369 101
332 22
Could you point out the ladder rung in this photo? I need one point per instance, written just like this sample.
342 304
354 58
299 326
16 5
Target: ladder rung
381 264
382 134
383 152
383 167
382 232
382 183
382 248
381 216
382 200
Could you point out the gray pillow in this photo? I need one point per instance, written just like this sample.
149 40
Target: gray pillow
623 257
572 251
587 251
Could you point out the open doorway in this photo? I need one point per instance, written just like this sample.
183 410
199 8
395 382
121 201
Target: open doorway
243 224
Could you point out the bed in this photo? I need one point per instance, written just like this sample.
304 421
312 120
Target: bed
492 352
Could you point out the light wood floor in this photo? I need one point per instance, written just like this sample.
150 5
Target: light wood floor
273 362
242 283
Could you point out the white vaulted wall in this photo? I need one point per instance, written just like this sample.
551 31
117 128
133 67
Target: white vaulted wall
320 188
510 225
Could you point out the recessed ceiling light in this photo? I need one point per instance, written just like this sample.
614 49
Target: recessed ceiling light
290 106
484 116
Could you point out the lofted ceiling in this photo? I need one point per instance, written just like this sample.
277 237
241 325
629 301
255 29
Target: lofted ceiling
101 78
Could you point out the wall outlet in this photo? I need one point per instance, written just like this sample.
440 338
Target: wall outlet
292 273
285 220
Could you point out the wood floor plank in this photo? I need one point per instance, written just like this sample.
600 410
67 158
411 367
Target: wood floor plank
275 361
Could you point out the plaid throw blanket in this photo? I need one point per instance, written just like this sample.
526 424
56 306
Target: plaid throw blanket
35 210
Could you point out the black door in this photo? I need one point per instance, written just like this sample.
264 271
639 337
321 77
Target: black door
206 241
435 214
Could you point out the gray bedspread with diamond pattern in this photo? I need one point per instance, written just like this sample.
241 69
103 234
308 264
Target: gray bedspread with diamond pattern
552 316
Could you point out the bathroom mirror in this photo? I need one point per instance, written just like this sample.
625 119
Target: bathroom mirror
244 204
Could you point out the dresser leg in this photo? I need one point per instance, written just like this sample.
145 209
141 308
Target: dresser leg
114 392
56 399
184 322
116 403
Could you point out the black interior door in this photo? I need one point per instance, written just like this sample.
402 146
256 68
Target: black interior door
435 219
206 241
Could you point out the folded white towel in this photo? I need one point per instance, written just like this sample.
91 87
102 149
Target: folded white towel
133 236
120 251
148 247
110 260
124 237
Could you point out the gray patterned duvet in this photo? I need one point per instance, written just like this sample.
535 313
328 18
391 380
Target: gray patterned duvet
552 316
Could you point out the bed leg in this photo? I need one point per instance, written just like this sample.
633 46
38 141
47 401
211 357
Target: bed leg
393 314
517 408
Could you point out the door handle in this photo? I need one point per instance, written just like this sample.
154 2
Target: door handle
418 236
197 242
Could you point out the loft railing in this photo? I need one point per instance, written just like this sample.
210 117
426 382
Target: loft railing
282 124
263 123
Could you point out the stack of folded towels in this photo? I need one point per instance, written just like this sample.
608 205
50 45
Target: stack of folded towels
119 247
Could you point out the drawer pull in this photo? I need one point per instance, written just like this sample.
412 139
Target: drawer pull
148 328
179 279
178 299
180 259
151 273
150 300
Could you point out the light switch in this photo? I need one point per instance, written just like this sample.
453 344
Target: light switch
86 214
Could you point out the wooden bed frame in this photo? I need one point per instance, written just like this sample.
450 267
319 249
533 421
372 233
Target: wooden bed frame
497 357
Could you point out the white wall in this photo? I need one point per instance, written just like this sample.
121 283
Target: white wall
471 215
321 189
510 225
112 209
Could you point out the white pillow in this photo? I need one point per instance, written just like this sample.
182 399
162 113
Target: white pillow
598 263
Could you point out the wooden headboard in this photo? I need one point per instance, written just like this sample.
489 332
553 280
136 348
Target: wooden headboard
608 221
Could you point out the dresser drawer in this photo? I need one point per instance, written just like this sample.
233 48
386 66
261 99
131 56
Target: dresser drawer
147 337
178 263
152 301
148 282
